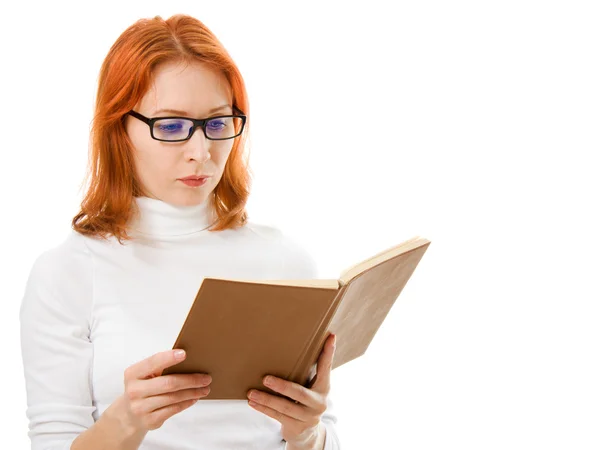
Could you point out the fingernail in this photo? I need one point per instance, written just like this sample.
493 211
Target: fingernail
179 354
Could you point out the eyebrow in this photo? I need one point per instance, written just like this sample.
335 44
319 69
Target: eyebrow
186 114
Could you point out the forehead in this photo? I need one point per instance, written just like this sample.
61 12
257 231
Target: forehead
193 87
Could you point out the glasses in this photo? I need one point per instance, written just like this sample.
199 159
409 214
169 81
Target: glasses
177 129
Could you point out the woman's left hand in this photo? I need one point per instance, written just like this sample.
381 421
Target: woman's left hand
299 420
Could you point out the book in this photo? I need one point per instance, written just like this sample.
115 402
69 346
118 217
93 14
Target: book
238 331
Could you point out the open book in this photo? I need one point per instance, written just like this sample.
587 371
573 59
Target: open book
238 331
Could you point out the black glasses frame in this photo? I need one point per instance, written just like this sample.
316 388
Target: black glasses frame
197 123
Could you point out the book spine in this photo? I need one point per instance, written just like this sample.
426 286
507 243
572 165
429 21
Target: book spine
305 370
296 370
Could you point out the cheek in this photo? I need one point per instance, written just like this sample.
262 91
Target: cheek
221 156
154 161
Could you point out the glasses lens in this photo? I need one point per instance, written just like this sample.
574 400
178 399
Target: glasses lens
224 127
172 129
179 129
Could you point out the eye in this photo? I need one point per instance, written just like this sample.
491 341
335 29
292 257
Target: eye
170 127
216 124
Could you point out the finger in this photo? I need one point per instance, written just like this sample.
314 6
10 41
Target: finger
324 364
167 383
281 405
153 365
156 402
283 419
158 417
292 390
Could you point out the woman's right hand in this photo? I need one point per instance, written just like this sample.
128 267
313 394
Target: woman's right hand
151 398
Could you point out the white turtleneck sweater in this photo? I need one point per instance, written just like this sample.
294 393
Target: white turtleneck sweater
91 308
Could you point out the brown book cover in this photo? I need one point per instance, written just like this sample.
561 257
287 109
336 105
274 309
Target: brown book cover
238 331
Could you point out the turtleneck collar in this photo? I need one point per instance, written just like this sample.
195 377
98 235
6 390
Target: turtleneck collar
159 218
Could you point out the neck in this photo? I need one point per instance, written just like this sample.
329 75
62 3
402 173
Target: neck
156 217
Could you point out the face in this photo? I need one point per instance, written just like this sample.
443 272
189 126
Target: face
200 92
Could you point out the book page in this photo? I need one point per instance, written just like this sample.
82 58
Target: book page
318 283
404 247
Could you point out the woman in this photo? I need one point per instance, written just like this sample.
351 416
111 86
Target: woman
164 208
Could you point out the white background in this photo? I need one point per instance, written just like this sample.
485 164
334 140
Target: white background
473 124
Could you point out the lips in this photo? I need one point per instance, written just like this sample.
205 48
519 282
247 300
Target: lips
194 182
194 178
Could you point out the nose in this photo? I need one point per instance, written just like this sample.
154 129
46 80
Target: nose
197 147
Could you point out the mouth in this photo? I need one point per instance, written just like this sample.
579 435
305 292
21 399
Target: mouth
194 181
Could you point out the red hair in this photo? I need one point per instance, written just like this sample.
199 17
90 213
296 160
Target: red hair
125 76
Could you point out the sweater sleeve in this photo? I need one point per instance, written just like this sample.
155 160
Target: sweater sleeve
56 347
299 263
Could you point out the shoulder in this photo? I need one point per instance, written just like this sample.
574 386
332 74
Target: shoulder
297 261
71 255
263 231
62 272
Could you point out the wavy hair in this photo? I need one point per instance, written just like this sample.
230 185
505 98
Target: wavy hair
125 76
